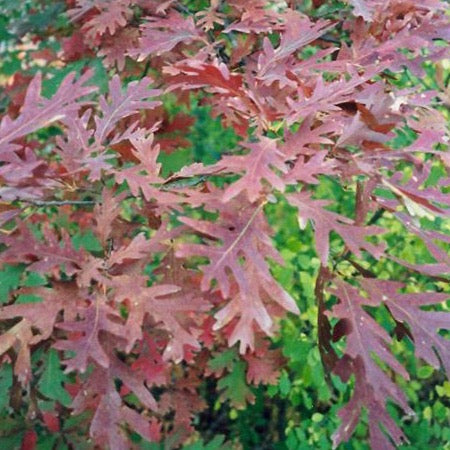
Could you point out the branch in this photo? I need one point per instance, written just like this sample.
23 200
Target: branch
60 202
328 355
178 183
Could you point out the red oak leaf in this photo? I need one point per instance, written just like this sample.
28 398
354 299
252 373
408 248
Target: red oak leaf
38 112
326 221
258 165
161 35
424 325
121 104
373 386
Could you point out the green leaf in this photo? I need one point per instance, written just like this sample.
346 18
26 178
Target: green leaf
425 372
284 384
296 350
88 241
444 390
428 413
223 360
174 161
217 443
317 417
28 298
439 410
35 279
9 280
52 379
46 442
100 77
234 386
11 442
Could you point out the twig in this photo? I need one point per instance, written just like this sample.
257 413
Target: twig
182 9
60 202
377 215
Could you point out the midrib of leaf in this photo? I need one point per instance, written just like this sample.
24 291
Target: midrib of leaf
50 254
412 320
15 133
114 114
181 36
240 236
254 168
352 311
96 320
283 51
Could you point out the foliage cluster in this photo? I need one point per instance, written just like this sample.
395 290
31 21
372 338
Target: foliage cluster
224 218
